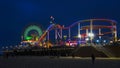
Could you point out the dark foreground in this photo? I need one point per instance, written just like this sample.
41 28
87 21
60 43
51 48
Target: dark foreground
55 62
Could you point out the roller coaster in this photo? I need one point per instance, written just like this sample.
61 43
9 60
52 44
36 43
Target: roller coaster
84 33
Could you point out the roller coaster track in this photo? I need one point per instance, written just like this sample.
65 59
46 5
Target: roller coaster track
45 33
51 27
57 26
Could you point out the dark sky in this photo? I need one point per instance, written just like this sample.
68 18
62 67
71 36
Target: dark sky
16 14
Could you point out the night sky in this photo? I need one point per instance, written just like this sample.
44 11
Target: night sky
15 15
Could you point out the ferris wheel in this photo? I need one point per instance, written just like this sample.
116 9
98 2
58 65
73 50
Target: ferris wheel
32 33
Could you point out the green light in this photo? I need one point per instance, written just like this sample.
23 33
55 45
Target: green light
28 38
32 27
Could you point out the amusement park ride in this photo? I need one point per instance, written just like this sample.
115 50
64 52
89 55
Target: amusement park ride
42 38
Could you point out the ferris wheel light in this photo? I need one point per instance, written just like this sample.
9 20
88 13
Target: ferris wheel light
28 38
32 30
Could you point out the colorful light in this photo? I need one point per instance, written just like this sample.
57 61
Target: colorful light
90 34
79 36
28 38
87 39
32 27
97 41
104 41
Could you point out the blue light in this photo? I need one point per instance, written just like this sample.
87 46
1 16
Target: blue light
97 41
104 41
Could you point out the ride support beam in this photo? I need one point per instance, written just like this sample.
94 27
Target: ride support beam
100 33
91 29
56 34
48 38
69 33
78 28
61 33
86 32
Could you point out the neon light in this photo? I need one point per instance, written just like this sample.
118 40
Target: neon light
87 39
104 41
28 38
79 36
90 34
45 33
97 41
30 28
